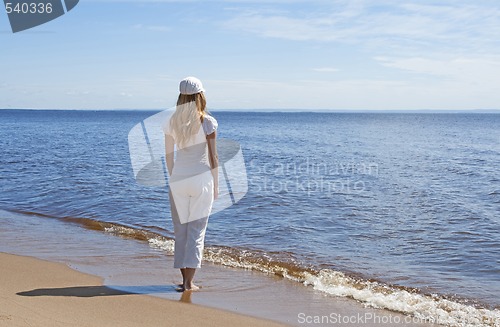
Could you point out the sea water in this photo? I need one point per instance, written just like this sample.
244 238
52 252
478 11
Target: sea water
396 210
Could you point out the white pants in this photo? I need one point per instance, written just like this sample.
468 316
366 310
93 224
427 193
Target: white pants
193 196
191 201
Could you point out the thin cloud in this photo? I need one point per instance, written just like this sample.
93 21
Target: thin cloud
483 71
154 28
452 26
326 70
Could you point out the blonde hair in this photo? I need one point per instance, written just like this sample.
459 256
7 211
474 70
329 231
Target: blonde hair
188 116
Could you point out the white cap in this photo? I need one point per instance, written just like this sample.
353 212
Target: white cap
191 85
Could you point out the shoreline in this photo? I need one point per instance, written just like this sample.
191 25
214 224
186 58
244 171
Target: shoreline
135 267
36 292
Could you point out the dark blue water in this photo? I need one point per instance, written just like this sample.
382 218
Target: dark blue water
405 199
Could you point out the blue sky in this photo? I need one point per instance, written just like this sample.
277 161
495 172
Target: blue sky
315 54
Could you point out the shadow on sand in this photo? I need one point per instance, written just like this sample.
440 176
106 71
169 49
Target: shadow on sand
91 291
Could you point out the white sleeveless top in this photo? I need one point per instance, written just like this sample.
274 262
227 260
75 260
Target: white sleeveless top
192 158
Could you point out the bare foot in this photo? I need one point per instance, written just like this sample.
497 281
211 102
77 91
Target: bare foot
191 287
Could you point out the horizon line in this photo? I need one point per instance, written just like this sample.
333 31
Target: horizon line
291 110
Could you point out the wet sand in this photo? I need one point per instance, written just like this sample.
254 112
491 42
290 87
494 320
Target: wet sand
140 278
41 293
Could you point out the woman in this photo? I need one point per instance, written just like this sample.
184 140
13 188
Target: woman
193 176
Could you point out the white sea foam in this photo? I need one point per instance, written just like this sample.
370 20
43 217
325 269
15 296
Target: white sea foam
162 244
426 308
421 307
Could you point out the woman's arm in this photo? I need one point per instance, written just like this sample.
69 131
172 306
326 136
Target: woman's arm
169 153
214 161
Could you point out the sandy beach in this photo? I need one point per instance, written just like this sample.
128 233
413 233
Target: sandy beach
34 292
91 278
